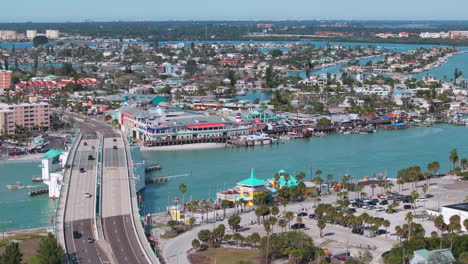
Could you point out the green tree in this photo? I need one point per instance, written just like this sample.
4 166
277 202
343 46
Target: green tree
50 251
40 40
453 158
234 222
225 204
205 235
321 225
12 254
324 122
196 244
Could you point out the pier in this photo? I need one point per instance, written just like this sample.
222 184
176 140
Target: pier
38 191
171 142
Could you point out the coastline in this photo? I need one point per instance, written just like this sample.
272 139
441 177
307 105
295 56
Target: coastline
198 146
25 158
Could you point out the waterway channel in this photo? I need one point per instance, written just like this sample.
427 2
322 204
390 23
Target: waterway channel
358 155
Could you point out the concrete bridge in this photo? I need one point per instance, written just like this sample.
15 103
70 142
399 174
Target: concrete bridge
99 201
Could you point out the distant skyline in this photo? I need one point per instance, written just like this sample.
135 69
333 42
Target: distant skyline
158 10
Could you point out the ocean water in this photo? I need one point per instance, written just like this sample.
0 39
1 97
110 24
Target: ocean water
17 209
358 155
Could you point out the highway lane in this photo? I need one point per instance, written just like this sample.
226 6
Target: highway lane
80 210
116 211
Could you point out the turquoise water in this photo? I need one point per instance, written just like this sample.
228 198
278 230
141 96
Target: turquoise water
358 155
16 207
447 70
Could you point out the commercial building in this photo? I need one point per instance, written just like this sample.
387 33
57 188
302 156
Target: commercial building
460 209
7 34
458 34
52 33
30 116
30 34
5 79
7 124
163 124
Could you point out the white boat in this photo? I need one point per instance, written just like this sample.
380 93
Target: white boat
259 139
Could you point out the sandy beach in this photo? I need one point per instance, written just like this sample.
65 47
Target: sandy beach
29 157
197 146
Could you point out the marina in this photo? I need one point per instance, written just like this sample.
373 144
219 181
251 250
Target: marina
356 154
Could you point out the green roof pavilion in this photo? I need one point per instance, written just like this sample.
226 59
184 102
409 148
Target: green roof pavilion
252 181
51 154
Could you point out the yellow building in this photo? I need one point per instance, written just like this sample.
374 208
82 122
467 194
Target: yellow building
250 187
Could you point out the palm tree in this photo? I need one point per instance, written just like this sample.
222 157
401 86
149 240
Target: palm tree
321 225
289 216
225 204
319 182
386 224
409 220
284 202
373 186
329 179
414 196
182 190
453 158
399 232
464 163
282 223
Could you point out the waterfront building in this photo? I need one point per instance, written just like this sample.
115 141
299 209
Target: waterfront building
7 124
52 33
30 116
7 35
460 209
250 187
52 165
5 79
31 33
165 124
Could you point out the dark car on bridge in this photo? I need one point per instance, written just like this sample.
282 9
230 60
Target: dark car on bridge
90 157
85 143
82 170
76 234
115 147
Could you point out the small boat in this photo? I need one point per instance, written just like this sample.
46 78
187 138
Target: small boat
16 186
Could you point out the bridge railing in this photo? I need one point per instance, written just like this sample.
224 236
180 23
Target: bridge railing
63 197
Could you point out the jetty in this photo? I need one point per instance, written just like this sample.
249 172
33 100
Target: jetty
38 191
152 167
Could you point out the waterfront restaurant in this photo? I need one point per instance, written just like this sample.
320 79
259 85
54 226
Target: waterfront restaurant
245 190
158 124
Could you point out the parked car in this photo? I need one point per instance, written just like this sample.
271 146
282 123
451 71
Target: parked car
298 226
353 210
375 201
76 234
407 207
380 209
14 153
421 200
313 216
427 196
383 202
424 218
371 207
302 214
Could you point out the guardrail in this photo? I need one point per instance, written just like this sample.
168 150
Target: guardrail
139 232
64 191
98 189
98 194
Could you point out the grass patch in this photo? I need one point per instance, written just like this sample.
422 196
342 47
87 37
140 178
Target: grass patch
226 256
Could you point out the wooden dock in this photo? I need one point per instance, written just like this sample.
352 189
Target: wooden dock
38 192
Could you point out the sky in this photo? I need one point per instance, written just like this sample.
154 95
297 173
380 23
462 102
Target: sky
161 10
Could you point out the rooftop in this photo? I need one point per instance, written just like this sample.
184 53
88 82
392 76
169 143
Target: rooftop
252 181
51 154
460 206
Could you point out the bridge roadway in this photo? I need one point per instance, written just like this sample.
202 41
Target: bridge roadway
118 242
116 207
79 212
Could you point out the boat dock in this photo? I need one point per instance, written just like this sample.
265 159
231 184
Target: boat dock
152 167
38 191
